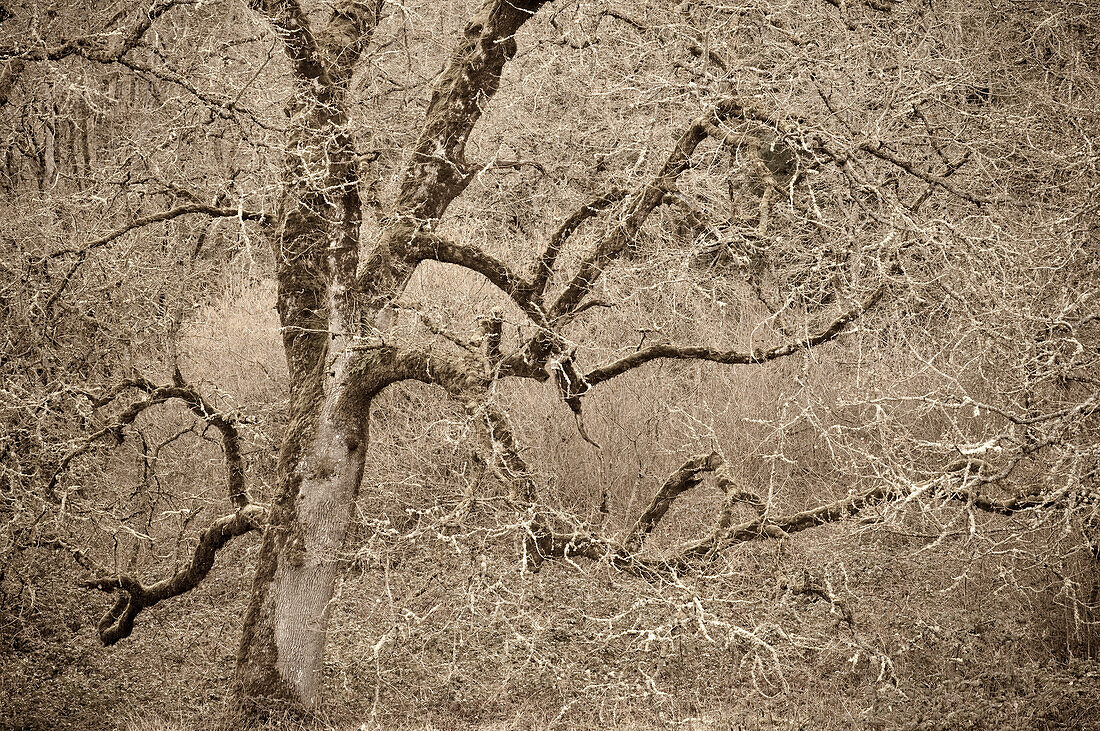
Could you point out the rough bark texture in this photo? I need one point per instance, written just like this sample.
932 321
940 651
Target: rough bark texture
332 306
321 459
326 304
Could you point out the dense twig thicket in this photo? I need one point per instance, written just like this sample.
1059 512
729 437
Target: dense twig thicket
672 359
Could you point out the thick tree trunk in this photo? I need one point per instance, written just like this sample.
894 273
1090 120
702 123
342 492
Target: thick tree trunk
283 639
321 459
324 299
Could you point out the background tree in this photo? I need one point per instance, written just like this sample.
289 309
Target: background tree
570 236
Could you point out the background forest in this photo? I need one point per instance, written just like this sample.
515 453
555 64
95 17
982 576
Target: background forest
781 321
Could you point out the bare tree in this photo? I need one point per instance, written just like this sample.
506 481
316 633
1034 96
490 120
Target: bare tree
345 319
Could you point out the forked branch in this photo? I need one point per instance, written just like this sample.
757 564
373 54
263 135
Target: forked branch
118 622
641 206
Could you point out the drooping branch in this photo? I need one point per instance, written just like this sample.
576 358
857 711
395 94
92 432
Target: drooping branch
198 405
427 245
186 209
133 597
507 461
732 357
231 442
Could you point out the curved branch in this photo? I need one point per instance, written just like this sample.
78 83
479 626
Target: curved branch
184 210
133 597
231 441
731 357
226 425
425 245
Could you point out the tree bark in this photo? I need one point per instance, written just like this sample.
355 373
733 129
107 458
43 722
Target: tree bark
321 458
283 640
328 305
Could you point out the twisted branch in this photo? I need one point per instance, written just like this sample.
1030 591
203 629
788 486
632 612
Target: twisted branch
118 622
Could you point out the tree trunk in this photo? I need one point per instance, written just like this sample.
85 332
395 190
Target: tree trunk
324 299
321 464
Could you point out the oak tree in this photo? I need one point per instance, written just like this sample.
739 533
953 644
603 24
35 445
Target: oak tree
877 202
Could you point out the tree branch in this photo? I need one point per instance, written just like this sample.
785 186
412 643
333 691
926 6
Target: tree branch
133 597
876 150
571 540
438 171
349 32
544 267
731 357
688 476
94 49
12 70
293 28
234 462
642 204
883 6
184 210
425 245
